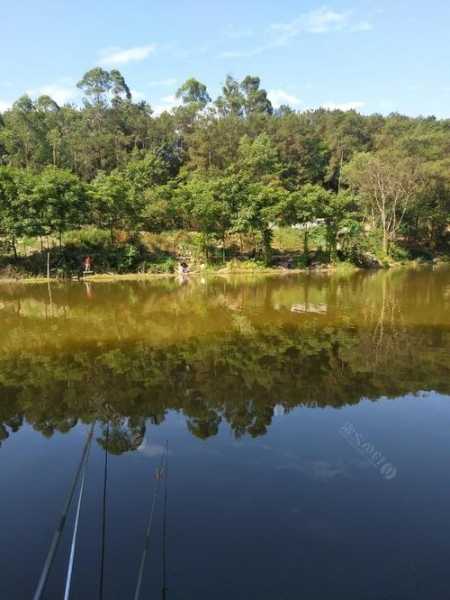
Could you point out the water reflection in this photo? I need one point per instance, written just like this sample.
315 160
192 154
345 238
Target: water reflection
216 350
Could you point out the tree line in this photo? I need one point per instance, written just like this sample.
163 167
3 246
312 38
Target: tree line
228 167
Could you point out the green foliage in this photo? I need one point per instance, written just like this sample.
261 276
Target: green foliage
194 92
87 237
60 201
223 170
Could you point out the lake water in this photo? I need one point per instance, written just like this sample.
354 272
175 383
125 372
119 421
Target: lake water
307 420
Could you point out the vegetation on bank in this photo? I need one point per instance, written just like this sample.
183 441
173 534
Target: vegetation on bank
210 182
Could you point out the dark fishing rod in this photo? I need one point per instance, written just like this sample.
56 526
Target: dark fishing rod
164 528
62 521
159 474
75 530
105 480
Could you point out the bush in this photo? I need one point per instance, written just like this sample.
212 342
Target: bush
168 265
87 237
398 253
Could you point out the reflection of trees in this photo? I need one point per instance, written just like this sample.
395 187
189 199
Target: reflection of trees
124 435
223 352
239 378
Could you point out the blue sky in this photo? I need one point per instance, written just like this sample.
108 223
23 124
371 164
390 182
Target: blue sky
379 56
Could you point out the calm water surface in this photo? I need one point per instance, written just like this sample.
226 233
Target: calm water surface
308 423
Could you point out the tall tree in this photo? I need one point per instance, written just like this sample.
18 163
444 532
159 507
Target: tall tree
60 201
255 98
232 100
387 185
194 92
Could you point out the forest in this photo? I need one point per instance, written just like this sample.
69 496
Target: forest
215 179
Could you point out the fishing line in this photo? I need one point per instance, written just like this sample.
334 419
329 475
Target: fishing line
60 527
159 474
105 479
75 531
164 528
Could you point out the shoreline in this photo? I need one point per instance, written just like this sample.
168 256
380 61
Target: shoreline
110 277
339 268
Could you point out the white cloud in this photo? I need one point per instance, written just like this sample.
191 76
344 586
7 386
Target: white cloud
137 95
280 97
171 99
163 82
321 20
166 103
60 93
111 57
354 105
4 105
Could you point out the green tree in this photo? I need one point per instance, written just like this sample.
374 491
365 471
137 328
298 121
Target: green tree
110 202
387 185
232 100
255 98
14 207
60 201
194 92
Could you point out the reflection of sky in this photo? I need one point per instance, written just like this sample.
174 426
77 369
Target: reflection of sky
150 450
247 514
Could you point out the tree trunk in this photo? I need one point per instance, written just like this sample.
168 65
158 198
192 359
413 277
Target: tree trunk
385 242
14 247
306 241
267 246
223 249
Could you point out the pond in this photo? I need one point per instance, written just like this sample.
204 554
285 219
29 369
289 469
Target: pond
293 433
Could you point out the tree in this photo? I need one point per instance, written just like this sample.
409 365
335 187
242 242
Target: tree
60 201
301 208
260 212
255 98
110 202
119 88
387 185
145 171
231 102
159 211
96 85
260 171
258 159
209 206
302 150
14 207
194 92
338 212
24 134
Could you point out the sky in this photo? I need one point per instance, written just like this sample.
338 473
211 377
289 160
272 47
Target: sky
384 56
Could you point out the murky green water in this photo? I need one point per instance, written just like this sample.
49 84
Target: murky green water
308 422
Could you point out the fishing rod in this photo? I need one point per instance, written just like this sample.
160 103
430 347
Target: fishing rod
159 474
62 521
105 479
164 527
75 531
